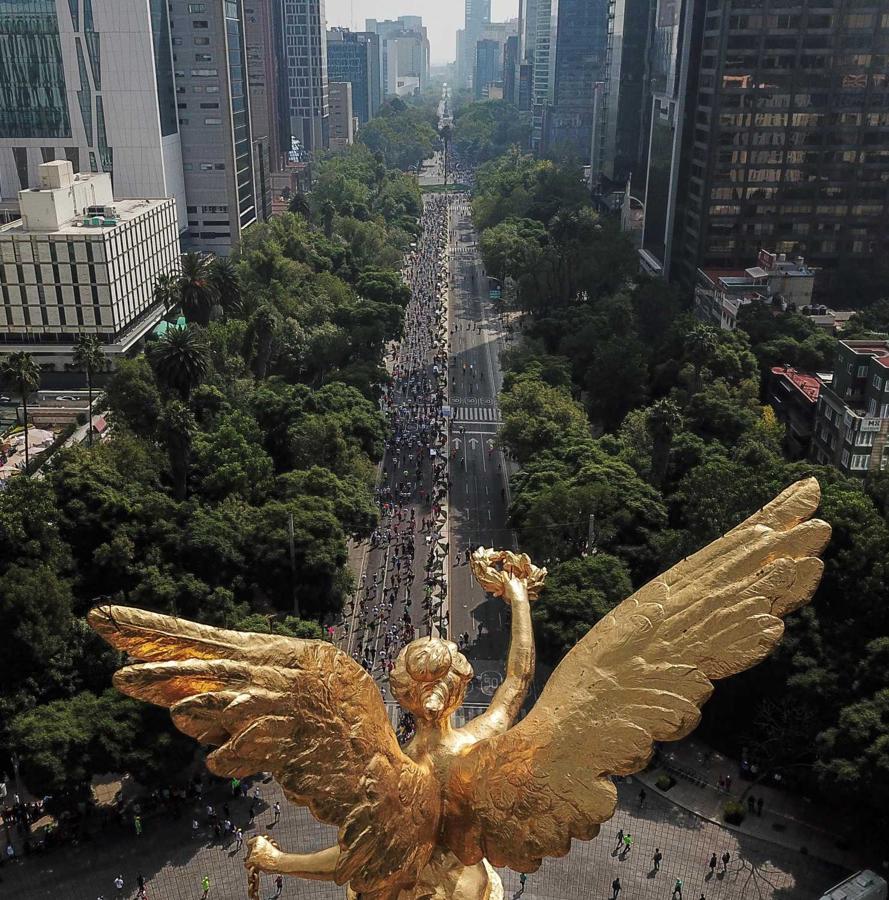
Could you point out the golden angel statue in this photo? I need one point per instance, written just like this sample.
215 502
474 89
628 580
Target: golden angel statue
430 819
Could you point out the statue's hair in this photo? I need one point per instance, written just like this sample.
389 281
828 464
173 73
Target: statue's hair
430 676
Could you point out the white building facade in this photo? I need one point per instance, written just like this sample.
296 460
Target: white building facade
90 81
81 262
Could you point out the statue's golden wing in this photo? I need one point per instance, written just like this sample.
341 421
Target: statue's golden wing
302 710
640 676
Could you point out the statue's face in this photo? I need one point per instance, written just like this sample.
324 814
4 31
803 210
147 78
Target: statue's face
429 678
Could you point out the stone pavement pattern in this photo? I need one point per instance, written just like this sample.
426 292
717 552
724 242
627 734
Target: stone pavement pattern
173 862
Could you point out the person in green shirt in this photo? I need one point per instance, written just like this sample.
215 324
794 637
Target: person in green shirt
205 884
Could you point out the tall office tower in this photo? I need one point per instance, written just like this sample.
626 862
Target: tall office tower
460 65
477 14
581 35
305 52
769 127
214 121
342 131
543 74
90 81
407 59
511 69
527 49
266 81
627 102
354 56
488 67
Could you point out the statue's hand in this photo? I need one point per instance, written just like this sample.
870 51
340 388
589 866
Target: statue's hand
263 854
511 576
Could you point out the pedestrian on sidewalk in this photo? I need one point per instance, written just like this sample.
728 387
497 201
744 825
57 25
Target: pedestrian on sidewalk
725 860
642 796
620 837
713 862
615 888
279 886
205 886
137 823
195 827
118 884
658 856
522 879
239 841
628 842
277 808
677 889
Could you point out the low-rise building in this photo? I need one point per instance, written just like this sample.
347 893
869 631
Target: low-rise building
80 262
794 397
831 320
852 413
775 280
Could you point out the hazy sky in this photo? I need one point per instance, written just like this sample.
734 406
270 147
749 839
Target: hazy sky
442 18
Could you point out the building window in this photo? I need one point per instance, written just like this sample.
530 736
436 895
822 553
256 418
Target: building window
864 439
862 371
200 23
197 7
213 121
203 57
844 459
878 382
859 462
200 41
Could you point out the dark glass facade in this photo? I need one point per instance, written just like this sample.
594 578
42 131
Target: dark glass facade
234 35
33 101
355 57
488 68
784 134
579 63
163 66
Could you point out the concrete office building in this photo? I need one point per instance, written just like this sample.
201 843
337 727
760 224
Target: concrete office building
354 56
488 66
81 262
769 126
90 81
214 122
263 36
305 53
408 56
579 64
342 131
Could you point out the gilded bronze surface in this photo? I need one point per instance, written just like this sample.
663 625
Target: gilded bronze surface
424 821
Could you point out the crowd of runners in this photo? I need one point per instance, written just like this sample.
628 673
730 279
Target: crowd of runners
402 593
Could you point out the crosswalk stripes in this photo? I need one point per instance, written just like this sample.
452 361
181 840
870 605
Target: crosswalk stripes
477 414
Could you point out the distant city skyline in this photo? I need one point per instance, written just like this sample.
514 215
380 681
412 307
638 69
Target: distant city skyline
442 19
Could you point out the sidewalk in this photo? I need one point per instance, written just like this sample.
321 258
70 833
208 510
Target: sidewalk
787 820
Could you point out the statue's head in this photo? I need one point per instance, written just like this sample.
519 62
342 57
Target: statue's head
430 677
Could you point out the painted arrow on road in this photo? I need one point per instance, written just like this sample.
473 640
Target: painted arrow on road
456 442
473 443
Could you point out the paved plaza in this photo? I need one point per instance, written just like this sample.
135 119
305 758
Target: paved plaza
173 862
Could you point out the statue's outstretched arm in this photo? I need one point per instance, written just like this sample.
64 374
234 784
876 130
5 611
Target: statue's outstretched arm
508 699
266 857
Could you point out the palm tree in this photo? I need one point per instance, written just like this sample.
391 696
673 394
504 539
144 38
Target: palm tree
699 345
178 427
226 281
299 205
264 323
197 292
166 291
180 359
328 212
89 358
19 369
664 420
